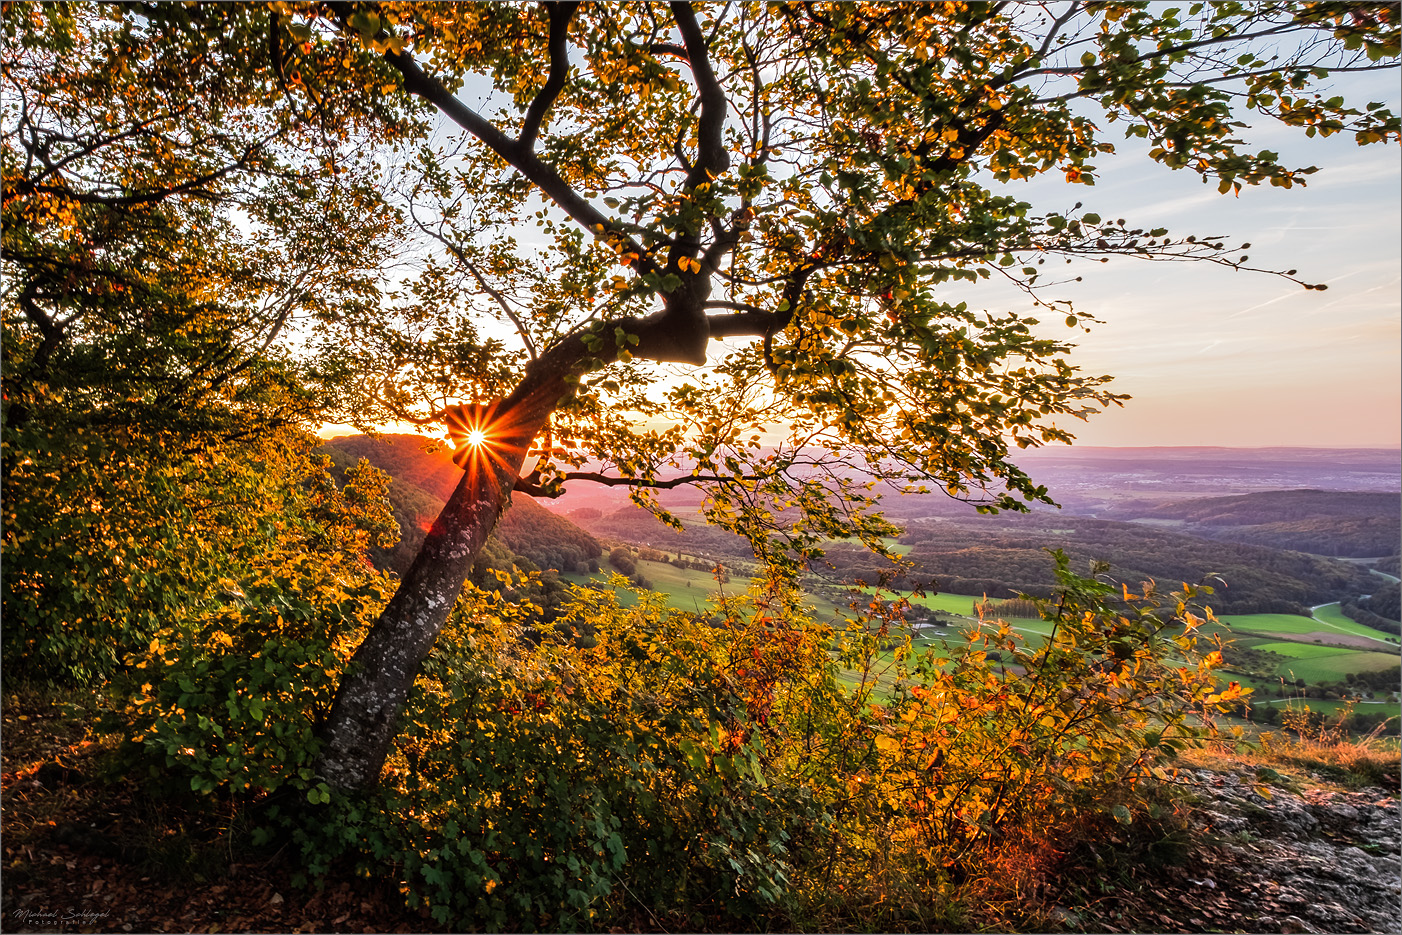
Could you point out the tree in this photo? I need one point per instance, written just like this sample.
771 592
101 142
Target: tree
797 188
807 177
170 216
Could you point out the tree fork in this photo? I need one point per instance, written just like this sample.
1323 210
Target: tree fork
364 717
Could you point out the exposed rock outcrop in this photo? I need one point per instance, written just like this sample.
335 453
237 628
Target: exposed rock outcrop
1315 862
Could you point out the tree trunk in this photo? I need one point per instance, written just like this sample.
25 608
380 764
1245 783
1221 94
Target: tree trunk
364 718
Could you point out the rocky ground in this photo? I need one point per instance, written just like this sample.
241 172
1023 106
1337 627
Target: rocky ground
1312 861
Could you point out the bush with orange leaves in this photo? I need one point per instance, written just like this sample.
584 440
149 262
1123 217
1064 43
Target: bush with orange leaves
999 742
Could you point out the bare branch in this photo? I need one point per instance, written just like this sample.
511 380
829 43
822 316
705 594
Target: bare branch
560 16
711 157
540 173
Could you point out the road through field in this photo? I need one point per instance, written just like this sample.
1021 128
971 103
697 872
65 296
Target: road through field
1314 611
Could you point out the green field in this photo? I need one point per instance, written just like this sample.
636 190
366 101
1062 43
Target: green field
1334 616
1334 666
1326 619
897 547
688 590
1304 650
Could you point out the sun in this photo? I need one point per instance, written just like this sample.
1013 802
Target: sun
476 437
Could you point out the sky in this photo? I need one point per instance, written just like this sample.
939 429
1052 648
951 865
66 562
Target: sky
1214 356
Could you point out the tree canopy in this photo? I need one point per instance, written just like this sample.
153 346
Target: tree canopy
806 186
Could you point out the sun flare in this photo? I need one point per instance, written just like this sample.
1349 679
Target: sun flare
476 437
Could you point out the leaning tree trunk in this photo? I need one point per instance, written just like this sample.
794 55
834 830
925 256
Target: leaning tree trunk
364 718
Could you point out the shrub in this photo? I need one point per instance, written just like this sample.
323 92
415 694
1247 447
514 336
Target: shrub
621 559
232 700
970 753
548 785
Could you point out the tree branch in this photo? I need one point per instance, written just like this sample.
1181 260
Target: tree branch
560 15
752 323
530 488
711 156
539 173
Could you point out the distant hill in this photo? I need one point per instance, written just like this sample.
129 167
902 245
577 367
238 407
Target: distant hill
1003 555
1271 506
1325 522
423 482
404 458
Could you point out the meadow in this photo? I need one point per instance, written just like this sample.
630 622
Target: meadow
1326 617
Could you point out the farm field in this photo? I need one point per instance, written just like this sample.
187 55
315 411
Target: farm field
1302 650
1326 618
1334 666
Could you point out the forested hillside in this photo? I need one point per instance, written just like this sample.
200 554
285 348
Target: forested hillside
423 481
1001 556
1272 506
1324 522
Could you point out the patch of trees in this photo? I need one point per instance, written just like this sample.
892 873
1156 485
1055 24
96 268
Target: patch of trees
1012 607
1385 601
1359 614
1259 662
1003 556
621 558
1378 680
1391 565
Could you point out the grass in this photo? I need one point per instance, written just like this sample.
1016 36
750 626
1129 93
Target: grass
1354 764
1334 667
1302 650
1326 618
1287 760
1333 615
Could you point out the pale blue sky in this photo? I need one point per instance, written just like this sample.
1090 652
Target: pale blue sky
1219 357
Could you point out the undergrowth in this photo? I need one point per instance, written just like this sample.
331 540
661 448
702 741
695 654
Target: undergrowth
672 770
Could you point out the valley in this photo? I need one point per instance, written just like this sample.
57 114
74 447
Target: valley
1284 563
